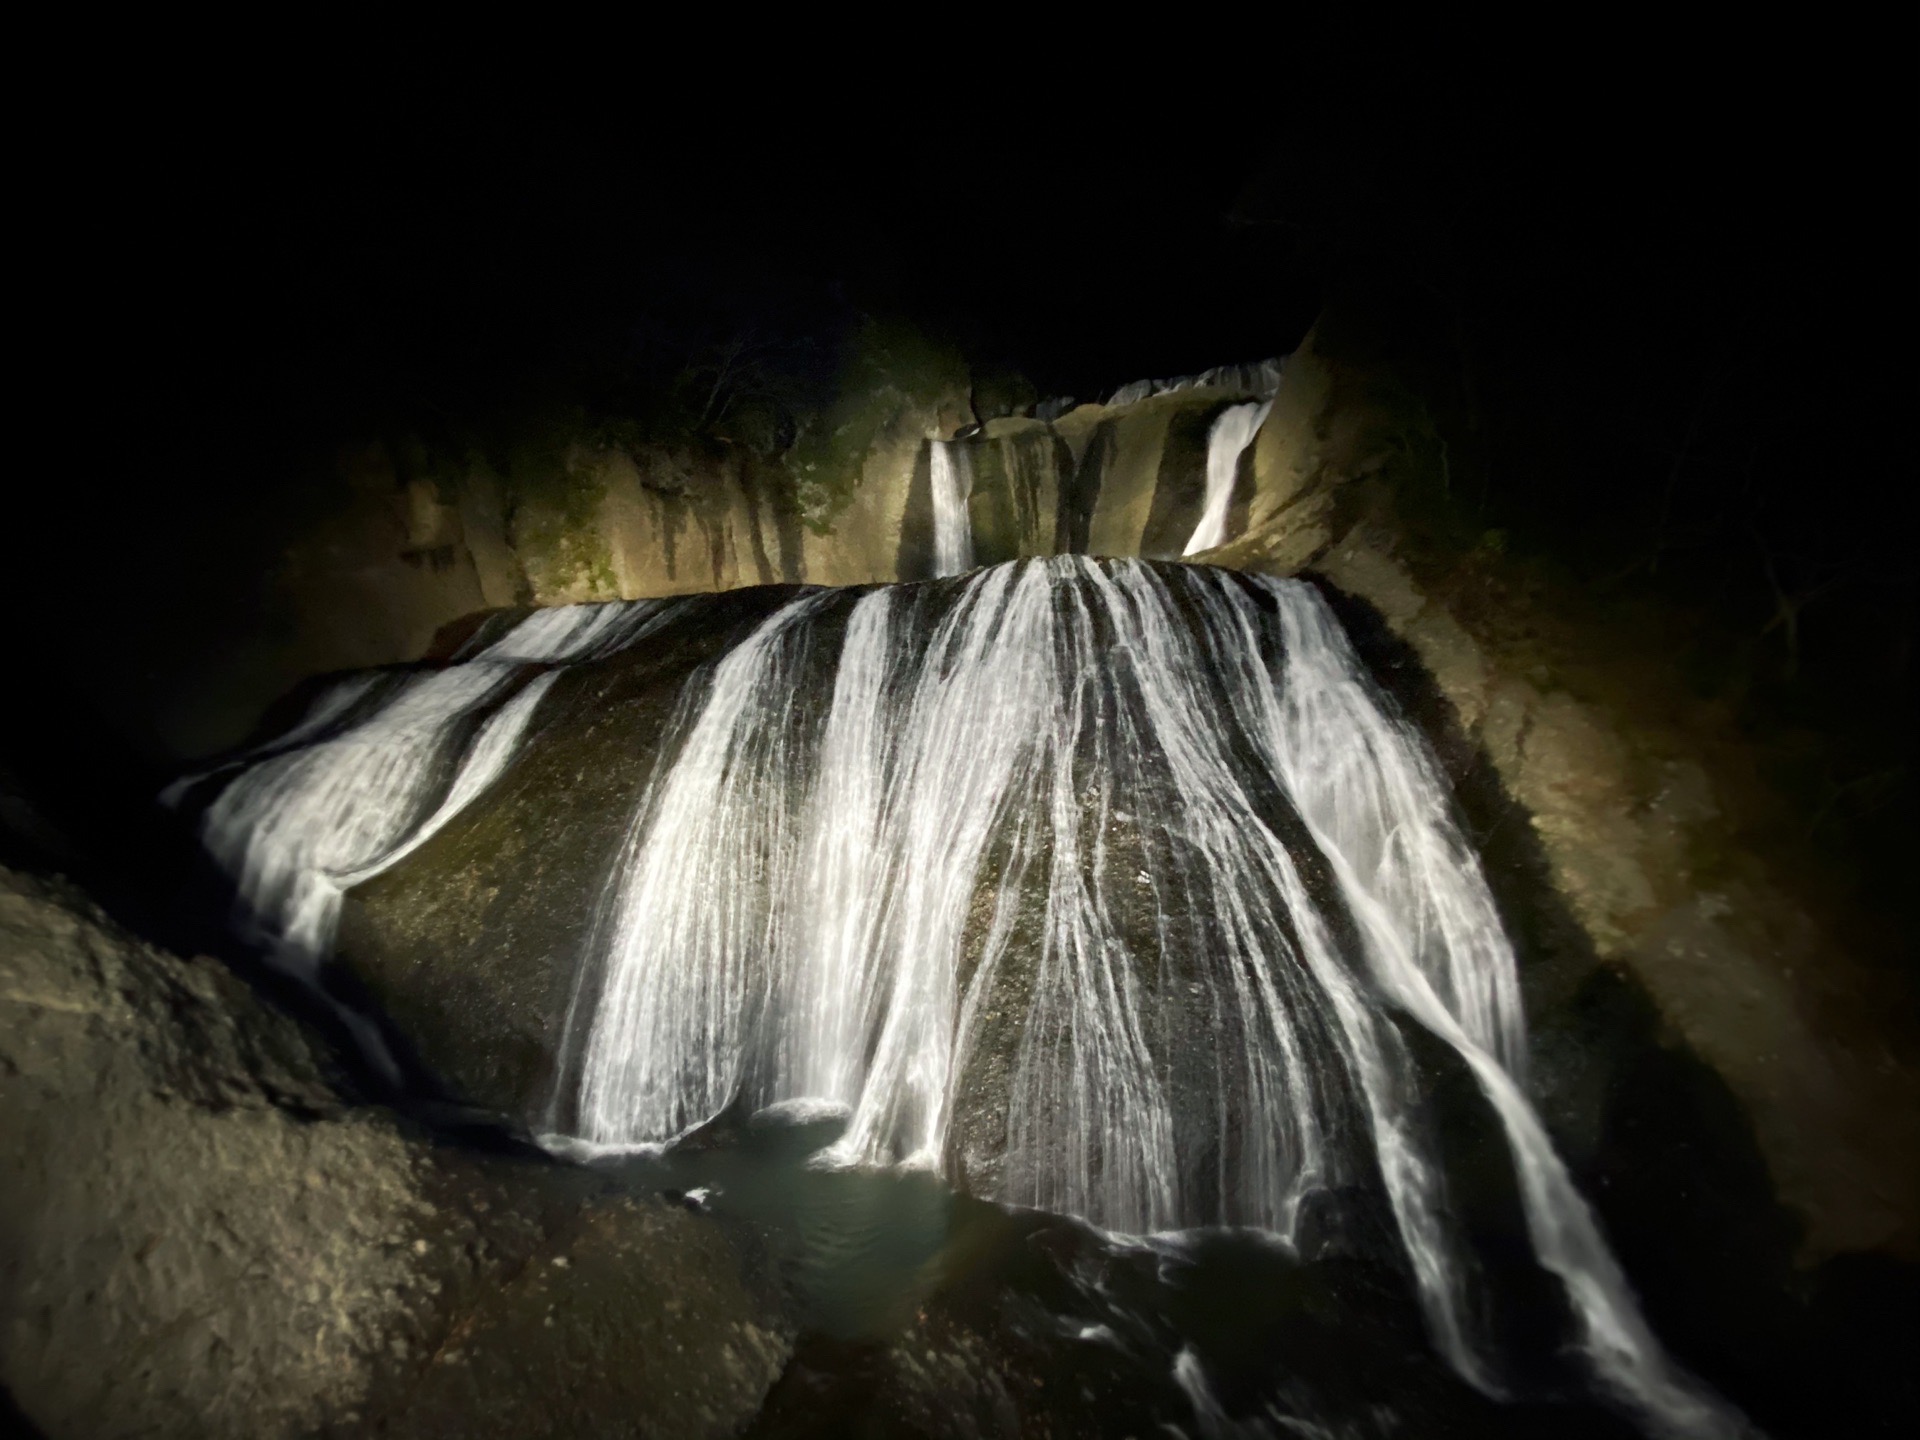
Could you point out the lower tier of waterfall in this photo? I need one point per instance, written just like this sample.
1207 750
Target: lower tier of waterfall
1104 888
379 764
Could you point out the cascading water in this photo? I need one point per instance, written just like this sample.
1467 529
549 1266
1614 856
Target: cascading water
375 770
1061 819
950 471
1111 889
1233 430
674 1028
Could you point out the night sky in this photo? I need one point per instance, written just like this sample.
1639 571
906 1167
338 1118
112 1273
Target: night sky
1633 240
391 232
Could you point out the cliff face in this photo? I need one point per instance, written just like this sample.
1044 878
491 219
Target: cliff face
405 540
263 560
1724 1054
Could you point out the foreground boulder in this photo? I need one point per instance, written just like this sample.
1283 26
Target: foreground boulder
200 1236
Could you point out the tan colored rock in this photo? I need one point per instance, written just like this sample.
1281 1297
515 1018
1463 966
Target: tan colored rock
483 529
1126 453
1841 1137
1078 426
861 543
1287 453
1019 469
714 536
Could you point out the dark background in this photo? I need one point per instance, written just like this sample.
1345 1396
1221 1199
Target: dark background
1625 235
1635 243
1661 286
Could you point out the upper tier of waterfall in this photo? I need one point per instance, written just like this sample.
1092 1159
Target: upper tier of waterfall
1232 433
1260 378
951 482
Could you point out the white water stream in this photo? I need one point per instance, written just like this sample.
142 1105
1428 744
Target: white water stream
1233 431
368 776
950 472
1060 823
1110 885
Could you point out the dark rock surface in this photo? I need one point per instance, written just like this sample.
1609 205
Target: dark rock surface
200 1237
473 943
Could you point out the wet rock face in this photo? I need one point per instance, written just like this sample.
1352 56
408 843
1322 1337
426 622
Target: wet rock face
401 542
1648 831
198 1236
1631 814
1635 821
474 944
772 875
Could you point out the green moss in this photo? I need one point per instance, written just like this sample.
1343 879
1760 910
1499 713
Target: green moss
553 500
888 367
562 548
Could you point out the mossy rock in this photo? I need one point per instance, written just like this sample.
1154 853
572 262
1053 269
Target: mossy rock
892 376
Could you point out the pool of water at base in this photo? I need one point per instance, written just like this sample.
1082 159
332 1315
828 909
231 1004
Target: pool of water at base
926 1312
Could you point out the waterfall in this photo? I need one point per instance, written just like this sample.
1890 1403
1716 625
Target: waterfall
1111 889
327 709
1435 948
1061 820
700 905
381 764
1262 378
951 472
1233 430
